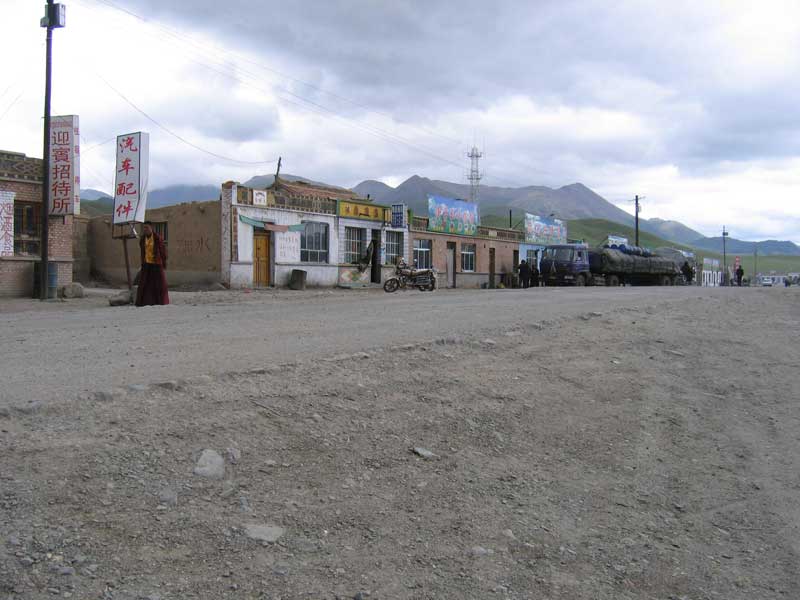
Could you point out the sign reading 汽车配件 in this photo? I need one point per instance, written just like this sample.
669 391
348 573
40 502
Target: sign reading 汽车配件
130 189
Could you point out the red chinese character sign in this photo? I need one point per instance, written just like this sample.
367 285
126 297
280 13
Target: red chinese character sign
7 223
130 188
65 166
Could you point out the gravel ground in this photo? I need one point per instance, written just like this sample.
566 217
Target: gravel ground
565 444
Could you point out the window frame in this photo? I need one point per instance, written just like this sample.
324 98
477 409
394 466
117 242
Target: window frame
354 248
468 250
161 228
321 249
26 238
419 252
397 245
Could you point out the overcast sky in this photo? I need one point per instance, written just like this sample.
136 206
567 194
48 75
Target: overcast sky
694 105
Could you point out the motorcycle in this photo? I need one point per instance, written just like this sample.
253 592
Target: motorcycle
406 276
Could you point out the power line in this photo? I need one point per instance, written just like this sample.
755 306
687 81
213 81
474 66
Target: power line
178 137
306 103
216 51
10 106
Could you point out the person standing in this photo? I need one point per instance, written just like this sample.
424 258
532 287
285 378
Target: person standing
688 272
524 274
534 274
739 275
152 279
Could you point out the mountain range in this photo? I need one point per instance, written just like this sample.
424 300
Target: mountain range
569 202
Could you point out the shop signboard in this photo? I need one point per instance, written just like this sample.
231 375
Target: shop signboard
448 215
399 216
65 166
7 223
544 230
130 189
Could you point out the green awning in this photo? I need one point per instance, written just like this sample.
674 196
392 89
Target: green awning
268 226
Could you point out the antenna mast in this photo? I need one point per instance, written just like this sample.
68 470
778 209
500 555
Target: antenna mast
475 174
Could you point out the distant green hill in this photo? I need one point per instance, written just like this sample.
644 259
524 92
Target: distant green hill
101 206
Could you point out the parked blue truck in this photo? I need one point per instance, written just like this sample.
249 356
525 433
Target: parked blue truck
577 264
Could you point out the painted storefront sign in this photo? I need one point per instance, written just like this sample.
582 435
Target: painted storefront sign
130 189
65 166
448 215
544 230
7 223
362 210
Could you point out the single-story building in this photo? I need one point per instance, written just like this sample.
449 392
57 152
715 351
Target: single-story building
485 259
323 230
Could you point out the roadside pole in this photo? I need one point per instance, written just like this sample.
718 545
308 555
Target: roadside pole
53 18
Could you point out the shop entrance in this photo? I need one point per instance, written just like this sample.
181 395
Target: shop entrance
451 264
261 247
376 256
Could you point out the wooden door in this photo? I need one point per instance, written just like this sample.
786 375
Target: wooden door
451 265
491 268
261 244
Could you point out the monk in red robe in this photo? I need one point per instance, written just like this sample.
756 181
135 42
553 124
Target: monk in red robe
152 280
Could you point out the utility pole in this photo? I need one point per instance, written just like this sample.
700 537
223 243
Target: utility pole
755 264
475 175
637 220
54 17
724 257
510 226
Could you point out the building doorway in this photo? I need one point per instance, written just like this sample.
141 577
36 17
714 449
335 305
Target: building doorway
261 252
451 264
491 268
376 256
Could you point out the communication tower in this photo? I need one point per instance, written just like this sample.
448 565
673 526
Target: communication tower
475 174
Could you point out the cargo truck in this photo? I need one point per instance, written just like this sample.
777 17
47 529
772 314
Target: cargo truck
577 264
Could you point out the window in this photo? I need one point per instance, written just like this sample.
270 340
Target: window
531 257
394 246
355 243
314 242
468 257
160 228
422 253
560 254
27 221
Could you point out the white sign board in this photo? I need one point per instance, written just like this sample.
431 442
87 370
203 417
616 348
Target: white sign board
65 166
7 223
616 240
259 198
130 188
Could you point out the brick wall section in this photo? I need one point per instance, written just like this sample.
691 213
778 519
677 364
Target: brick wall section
16 274
16 278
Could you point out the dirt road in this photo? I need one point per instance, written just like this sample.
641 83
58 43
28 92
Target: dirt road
574 444
57 351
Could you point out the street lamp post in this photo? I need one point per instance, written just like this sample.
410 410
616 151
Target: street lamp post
54 17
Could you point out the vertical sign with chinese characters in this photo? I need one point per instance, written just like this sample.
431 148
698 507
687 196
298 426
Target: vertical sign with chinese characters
7 223
130 188
65 166
399 213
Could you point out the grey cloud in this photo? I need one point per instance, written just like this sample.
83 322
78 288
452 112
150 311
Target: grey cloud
418 60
